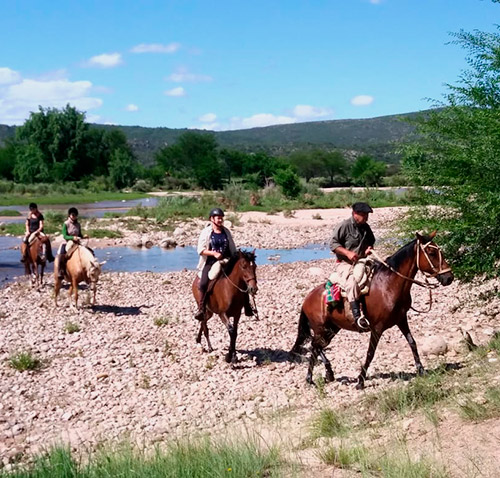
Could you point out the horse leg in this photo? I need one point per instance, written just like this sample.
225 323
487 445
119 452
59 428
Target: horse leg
57 287
312 362
204 330
374 338
74 287
233 332
405 330
329 334
93 287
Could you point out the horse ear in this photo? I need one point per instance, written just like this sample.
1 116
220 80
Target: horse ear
419 237
433 234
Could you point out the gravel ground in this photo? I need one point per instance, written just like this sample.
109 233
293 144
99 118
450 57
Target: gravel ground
134 369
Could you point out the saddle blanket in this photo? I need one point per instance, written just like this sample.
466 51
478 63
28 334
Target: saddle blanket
332 292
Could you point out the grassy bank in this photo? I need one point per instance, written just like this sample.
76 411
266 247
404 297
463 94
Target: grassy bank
201 458
61 198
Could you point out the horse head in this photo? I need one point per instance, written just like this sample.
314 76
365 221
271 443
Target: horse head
430 260
247 267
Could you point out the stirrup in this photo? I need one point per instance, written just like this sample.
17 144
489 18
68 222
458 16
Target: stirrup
362 323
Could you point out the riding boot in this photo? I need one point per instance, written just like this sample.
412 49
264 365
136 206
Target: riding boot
50 256
358 315
200 313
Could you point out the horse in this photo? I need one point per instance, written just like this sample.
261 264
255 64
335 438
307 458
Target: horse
386 305
81 266
226 297
36 258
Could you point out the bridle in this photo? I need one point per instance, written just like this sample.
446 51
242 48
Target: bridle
435 271
245 291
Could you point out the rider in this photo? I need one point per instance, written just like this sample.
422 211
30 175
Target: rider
71 231
351 240
34 227
215 243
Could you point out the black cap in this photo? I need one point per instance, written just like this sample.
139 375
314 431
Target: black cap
361 207
216 211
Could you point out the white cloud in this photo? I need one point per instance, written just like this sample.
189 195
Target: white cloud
182 75
307 112
260 120
208 118
8 76
18 100
179 91
106 60
362 100
131 107
155 48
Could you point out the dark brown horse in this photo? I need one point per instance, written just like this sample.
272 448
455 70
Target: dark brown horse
227 295
385 306
36 258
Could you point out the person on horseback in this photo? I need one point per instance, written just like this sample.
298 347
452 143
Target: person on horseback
214 244
34 227
352 240
71 231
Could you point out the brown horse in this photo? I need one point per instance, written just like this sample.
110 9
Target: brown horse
226 297
81 266
386 304
36 258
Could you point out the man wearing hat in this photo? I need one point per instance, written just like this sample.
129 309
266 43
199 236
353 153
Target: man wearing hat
352 240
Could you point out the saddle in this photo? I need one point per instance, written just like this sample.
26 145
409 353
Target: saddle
362 272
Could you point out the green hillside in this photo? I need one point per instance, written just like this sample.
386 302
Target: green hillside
376 136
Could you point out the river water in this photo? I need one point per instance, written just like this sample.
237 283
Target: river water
155 259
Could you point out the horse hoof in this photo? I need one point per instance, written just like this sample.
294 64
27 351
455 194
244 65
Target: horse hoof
360 386
329 377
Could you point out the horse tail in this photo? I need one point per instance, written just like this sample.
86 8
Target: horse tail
303 334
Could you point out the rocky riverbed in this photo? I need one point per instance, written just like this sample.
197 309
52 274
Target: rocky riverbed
133 368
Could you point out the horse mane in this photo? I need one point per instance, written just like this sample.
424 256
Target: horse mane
248 255
88 260
401 255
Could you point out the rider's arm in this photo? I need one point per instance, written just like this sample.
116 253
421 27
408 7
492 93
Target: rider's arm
27 226
40 227
65 234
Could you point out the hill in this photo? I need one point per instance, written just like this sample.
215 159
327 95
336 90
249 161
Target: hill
376 136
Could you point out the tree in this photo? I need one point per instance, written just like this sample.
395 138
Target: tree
7 160
59 137
307 163
334 164
289 182
459 158
367 172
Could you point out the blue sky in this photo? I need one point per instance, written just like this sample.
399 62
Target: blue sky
224 64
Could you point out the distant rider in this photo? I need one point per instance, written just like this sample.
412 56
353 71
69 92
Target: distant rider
34 227
71 231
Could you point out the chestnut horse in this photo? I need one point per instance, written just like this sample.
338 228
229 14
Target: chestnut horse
36 260
226 297
385 306
81 266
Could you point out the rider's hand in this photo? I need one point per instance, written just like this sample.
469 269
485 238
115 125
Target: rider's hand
217 255
368 250
76 239
353 257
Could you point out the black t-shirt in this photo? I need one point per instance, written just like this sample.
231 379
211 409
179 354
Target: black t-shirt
34 222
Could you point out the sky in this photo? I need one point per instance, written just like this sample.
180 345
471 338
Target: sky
230 64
